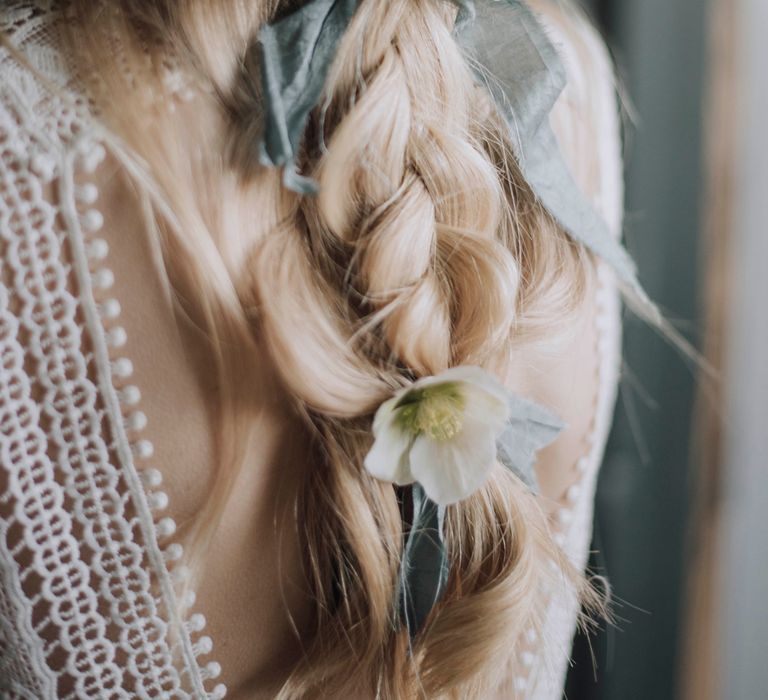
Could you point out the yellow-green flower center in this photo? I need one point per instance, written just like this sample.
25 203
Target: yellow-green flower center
435 411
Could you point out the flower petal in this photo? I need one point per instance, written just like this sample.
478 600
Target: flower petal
484 408
468 374
384 415
388 457
452 470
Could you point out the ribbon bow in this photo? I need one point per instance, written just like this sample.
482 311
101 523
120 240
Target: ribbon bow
512 57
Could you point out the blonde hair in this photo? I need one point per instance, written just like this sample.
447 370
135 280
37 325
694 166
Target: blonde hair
424 249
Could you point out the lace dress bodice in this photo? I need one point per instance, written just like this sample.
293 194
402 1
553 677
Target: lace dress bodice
92 601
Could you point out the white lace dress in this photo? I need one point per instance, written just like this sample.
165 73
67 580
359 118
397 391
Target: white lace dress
88 604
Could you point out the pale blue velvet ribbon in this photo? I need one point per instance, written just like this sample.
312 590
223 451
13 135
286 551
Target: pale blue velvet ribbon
512 56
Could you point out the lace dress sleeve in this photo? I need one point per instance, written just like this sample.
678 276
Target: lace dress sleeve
579 379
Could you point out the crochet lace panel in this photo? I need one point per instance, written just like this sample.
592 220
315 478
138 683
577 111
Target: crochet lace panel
89 595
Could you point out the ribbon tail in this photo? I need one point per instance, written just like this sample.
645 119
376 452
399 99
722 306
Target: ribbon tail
515 60
424 564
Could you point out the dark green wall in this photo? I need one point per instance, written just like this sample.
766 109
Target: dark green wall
643 491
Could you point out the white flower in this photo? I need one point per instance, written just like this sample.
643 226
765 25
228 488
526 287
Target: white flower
441 431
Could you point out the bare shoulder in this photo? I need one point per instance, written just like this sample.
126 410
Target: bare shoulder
577 376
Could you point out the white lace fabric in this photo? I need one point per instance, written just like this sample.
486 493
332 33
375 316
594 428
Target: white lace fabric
88 604
89 575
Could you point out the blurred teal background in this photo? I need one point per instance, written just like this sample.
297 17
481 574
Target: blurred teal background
643 495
